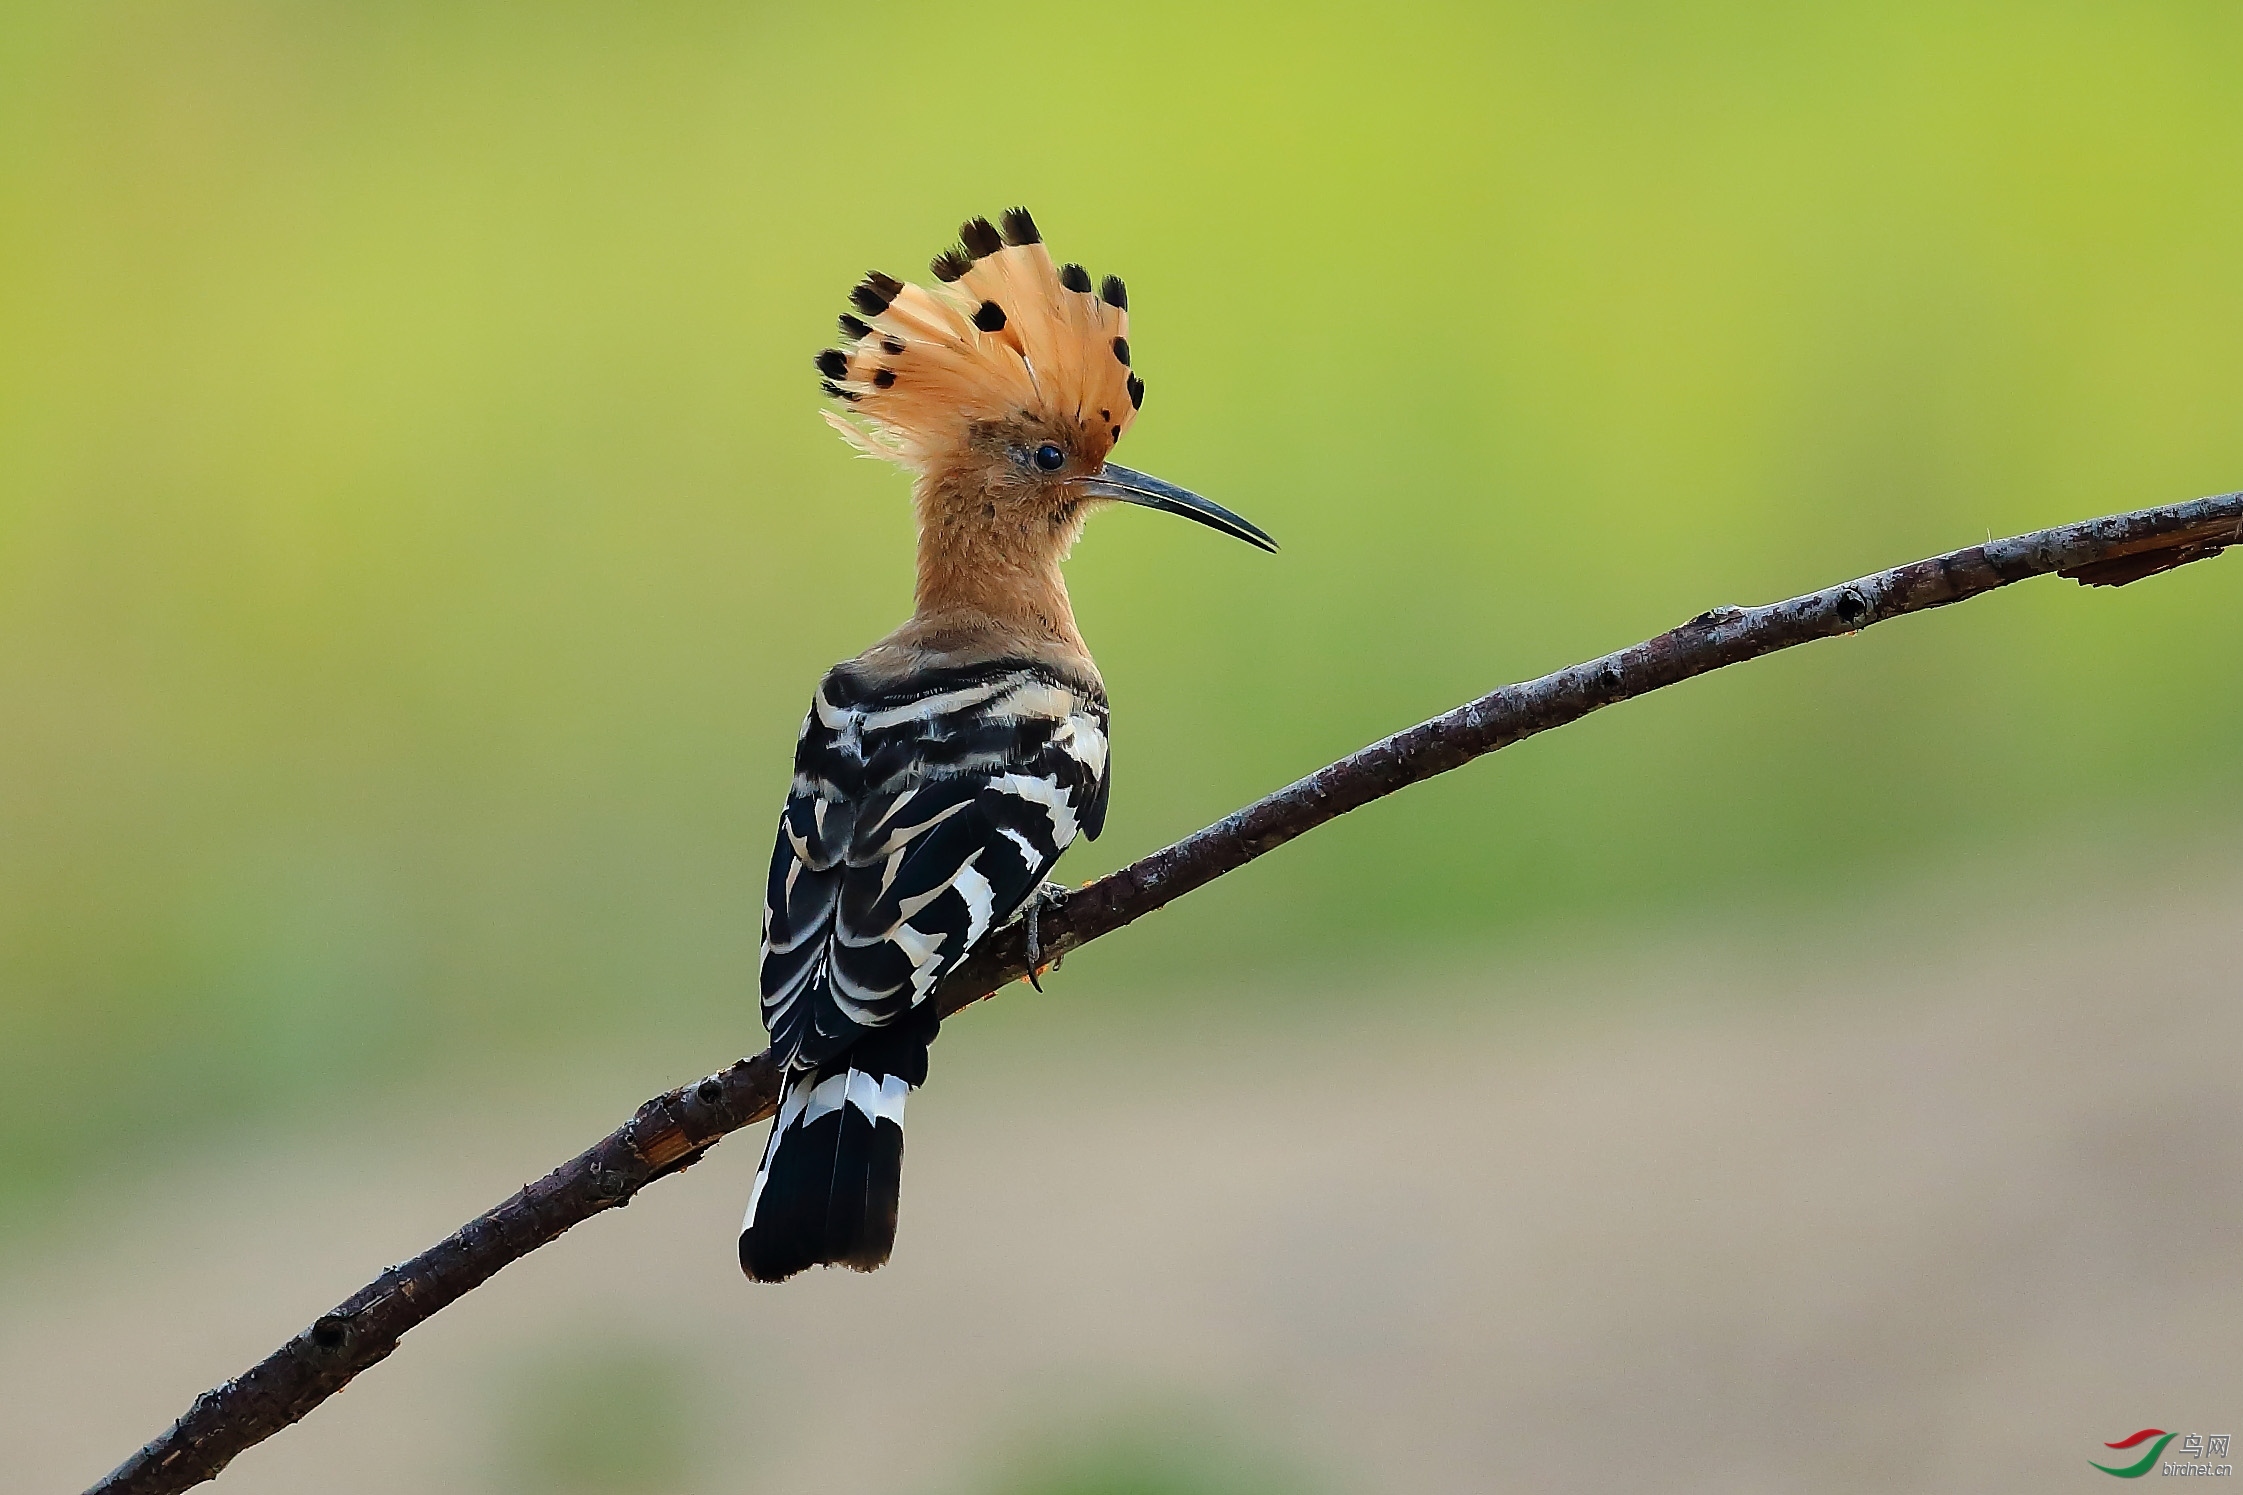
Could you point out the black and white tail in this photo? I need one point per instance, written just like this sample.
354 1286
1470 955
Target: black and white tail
832 1172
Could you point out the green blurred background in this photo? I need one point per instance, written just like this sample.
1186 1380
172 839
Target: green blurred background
418 540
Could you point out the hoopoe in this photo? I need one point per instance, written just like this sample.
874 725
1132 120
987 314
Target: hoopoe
940 773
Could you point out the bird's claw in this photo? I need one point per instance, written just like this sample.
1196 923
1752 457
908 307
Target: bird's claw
1046 893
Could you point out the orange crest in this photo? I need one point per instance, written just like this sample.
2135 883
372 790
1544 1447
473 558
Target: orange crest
1003 335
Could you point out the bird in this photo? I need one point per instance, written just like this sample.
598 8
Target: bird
940 773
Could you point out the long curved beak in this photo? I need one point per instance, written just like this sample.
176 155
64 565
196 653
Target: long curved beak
1134 487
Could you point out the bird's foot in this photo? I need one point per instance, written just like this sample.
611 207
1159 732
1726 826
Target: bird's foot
1050 894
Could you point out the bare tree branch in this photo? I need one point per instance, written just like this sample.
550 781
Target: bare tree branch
671 1132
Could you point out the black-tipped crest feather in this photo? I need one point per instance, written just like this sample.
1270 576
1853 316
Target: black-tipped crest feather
874 293
980 237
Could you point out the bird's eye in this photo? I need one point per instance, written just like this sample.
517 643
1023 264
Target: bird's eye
1050 458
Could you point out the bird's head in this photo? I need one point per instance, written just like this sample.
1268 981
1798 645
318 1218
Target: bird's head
1001 388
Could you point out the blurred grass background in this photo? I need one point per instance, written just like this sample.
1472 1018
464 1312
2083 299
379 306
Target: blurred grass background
417 539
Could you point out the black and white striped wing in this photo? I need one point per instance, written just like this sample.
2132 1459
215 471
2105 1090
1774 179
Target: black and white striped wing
920 818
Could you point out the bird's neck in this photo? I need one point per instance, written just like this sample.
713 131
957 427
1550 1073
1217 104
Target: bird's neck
986 580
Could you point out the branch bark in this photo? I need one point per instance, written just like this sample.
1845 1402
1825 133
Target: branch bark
671 1132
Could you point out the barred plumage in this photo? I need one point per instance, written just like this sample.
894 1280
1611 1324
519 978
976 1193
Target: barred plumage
923 813
942 772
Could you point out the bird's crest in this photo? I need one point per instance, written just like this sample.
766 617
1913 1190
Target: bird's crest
1002 334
